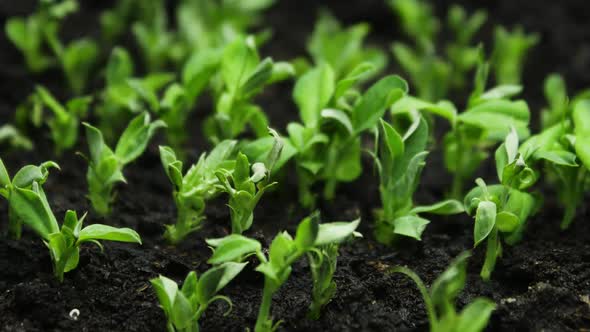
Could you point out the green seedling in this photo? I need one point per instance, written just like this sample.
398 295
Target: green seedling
501 211
400 160
185 306
342 48
77 59
31 206
487 120
193 189
243 76
24 179
441 297
434 74
29 34
283 252
510 50
334 116
105 167
66 118
179 98
246 184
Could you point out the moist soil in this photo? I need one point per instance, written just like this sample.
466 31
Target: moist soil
543 283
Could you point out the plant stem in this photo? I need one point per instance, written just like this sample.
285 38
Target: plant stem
263 323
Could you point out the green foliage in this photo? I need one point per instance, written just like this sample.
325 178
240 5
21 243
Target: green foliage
198 185
105 167
31 206
23 179
440 299
29 34
510 50
283 252
14 138
433 74
334 116
342 48
66 118
243 76
399 162
246 184
77 59
185 306
488 117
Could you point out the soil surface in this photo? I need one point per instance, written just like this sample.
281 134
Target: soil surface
543 283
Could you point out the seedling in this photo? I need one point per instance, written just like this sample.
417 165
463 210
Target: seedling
195 188
501 211
283 252
185 306
342 47
66 118
105 167
510 50
29 34
399 162
77 59
440 299
14 138
488 117
433 74
243 76
24 178
179 98
246 185
334 116
31 206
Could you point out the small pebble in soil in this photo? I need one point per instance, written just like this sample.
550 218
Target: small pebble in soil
74 314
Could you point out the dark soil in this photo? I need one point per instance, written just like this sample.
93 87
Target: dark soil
543 283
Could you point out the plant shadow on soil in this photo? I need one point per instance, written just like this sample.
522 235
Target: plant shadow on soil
541 284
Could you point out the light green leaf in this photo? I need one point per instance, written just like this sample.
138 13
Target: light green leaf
214 279
485 220
312 92
411 226
232 247
335 232
446 207
507 222
475 315
339 116
307 233
30 208
109 233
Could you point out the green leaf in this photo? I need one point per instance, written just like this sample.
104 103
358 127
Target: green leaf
261 75
352 78
30 208
109 233
312 92
119 68
231 248
393 141
4 177
335 232
485 220
214 279
475 315
238 62
26 176
307 233
446 207
507 222
136 136
558 157
376 100
581 118
96 143
411 226
340 117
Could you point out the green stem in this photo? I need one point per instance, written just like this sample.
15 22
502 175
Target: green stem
263 322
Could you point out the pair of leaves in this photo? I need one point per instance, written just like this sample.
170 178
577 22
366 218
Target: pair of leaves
184 306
